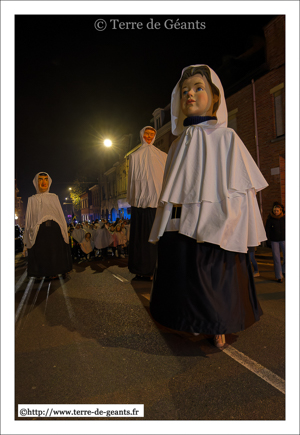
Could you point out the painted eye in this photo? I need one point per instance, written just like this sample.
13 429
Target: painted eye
199 89
184 92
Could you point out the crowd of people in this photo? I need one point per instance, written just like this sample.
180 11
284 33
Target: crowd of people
99 239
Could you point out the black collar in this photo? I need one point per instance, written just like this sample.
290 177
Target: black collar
191 120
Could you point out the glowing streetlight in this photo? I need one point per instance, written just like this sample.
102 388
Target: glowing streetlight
107 143
70 188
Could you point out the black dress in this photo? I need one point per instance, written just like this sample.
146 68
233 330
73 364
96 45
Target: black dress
50 255
141 253
199 287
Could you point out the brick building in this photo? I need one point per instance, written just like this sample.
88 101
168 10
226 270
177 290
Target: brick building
95 209
85 201
257 114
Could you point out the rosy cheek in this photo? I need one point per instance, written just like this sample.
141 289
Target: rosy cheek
202 97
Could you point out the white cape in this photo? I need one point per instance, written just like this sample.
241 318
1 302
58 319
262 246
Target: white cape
145 175
210 172
78 234
41 208
102 238
87 246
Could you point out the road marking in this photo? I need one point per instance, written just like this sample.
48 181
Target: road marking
21 280
256 368
146 295
265 264
120 278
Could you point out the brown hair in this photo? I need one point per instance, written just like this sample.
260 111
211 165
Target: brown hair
205 72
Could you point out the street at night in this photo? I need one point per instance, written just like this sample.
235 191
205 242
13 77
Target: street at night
90 339
148 157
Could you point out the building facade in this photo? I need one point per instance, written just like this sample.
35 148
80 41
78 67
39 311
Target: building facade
95 209
257 114
85 200
19 208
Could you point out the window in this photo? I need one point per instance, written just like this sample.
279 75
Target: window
278 94
157 123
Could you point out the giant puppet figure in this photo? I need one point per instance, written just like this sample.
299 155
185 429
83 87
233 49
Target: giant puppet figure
46 235
207 217
146 169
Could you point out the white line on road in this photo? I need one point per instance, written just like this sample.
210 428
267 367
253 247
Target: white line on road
265 264
256 368
102 266
146 295
21 280
120 278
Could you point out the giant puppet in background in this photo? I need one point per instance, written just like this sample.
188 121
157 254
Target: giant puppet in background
146 169
46 234
207 217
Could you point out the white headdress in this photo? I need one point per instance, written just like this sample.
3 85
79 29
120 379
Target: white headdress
177 116
143 141
36 182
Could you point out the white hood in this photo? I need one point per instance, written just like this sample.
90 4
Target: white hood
177 116
36 183
143 141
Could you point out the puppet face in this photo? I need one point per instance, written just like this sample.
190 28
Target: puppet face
196 97
43 183
148 135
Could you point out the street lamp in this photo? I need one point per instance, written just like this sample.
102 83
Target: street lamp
107 143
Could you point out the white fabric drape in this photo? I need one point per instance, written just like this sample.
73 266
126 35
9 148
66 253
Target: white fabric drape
145 175
102 238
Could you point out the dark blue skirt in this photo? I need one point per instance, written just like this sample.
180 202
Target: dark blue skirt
199 287
141 253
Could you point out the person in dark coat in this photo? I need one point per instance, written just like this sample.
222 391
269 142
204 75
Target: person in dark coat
275 229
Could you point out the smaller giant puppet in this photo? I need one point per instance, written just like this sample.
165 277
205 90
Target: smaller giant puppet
146 169
46 235
207 217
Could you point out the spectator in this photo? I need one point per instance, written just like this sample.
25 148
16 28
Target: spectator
275 229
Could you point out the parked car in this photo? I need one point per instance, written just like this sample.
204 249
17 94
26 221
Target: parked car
18 239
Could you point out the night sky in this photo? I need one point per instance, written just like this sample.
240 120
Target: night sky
75 85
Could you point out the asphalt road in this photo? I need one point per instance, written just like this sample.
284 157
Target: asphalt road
90 339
